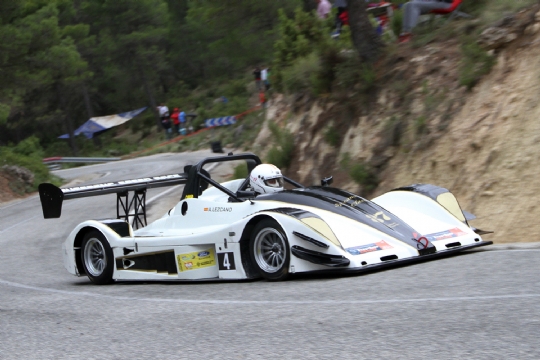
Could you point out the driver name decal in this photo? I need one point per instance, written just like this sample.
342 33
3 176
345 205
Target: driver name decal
218 209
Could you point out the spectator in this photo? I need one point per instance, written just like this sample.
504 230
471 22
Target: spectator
412 11
182 118
165 119
262 99
267 80
323 9
264 78
257 75
176 122
341 6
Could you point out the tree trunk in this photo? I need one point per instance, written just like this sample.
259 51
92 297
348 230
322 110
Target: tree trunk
309 5
149 93
365 38
90 112
68 122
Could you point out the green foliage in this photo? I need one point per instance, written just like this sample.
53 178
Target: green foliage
352 72
30 158
240 171
420 125
476 62
281 153
393 131
297 37
488 11
332 136
29 147
301 75
304 45
396 22
64 61
361 173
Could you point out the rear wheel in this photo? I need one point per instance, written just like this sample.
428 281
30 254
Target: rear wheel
97 258
269 250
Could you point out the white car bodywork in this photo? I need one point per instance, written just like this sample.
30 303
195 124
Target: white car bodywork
206 236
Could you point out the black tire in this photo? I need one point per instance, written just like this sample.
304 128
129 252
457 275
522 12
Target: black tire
97 258
269 250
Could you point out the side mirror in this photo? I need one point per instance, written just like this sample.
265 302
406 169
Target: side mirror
327 181
246 194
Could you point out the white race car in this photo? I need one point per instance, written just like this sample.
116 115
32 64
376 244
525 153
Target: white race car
227 232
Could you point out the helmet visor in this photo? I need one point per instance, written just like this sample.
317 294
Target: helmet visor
275 182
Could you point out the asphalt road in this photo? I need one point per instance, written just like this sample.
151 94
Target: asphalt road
480 305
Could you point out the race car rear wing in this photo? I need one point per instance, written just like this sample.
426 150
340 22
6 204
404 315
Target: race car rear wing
52 196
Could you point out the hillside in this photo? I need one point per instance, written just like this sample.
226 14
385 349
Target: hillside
422 126
480 144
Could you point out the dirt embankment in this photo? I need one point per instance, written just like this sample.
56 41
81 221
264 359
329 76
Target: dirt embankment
423 127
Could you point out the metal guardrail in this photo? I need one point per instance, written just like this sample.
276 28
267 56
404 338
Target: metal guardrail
53 163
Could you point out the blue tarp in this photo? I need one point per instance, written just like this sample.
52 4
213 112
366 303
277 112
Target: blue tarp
99 124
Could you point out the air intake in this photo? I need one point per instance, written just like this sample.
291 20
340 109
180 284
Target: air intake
454 244
389 257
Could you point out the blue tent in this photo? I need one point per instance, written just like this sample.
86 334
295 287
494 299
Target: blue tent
99 124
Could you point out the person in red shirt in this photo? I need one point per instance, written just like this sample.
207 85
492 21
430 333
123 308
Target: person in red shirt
176 121
262 99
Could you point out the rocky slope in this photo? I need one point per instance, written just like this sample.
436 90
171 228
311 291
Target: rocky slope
423 127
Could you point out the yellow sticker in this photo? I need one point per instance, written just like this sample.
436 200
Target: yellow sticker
189 196
196 260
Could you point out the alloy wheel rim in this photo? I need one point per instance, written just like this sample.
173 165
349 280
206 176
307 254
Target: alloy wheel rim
270 250
94 257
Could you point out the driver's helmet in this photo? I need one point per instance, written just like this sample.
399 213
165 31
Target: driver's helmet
266 179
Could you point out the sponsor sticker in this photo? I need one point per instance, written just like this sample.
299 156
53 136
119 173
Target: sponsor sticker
196 260
363 249
447 234
353 202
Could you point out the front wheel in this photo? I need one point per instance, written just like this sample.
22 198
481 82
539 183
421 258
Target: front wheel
97 258
269 250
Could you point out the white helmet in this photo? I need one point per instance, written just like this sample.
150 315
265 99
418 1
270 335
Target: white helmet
266 179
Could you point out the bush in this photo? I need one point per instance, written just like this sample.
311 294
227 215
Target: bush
352 73
420 125
331 136
364 176
29 146
240 171
32 162
302 75
281 153
361 173
396 22
476 62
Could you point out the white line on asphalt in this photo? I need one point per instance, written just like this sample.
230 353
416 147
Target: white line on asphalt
265 302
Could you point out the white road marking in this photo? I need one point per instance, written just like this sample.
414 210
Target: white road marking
17 224
265 302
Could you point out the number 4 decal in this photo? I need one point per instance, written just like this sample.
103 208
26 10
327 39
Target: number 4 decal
226 261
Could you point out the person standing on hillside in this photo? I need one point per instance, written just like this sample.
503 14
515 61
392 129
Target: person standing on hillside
182 118
267 80
165 119
323 9
257 75
412 11
341 6
175 120
264 77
